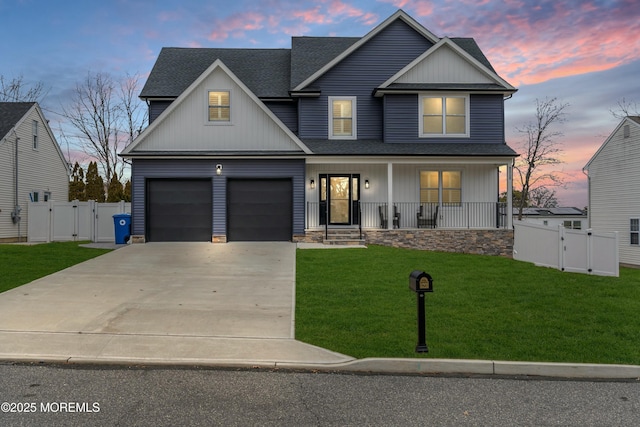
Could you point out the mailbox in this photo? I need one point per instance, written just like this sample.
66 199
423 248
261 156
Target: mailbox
419 281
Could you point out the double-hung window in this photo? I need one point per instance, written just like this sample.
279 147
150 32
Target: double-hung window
342 117
440 187
219 106
444 116
634 228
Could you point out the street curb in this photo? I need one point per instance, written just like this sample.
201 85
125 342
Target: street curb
373 366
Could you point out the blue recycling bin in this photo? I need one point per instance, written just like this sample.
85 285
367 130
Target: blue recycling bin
122 223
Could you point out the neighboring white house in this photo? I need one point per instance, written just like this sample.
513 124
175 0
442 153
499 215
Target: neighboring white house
569 217
614 188
32 166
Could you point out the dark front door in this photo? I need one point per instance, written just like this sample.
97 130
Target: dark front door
179 210
339 196
259 210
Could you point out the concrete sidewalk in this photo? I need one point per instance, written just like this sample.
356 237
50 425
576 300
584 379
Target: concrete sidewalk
228 305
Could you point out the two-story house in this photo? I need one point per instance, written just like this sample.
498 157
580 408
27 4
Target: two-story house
32 166
614 183
398 135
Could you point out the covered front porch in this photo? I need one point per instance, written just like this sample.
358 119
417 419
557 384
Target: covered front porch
451 203
444 193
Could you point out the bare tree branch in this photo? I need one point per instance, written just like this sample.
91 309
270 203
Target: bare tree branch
540 149
17 90
624 109
107 116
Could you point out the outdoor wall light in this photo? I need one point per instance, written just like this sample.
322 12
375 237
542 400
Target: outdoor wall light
218 169
312 184
366 184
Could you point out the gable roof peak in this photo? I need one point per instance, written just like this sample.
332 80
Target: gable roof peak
398 15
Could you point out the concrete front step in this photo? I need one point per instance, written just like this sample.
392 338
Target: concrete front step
346 242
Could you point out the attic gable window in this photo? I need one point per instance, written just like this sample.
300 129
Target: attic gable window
35 134
444 116
219 106
342 118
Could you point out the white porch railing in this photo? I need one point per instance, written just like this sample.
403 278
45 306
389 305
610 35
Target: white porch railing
478 215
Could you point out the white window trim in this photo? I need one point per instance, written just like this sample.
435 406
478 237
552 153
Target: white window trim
354 116
634 231
208 122
467 103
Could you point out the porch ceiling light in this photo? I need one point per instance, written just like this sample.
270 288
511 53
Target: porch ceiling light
312 184
366 184
218 169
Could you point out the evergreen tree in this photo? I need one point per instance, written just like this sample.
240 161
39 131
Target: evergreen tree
127 191
77 185
115 192
94 189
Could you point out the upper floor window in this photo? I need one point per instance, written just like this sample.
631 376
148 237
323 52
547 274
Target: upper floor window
444 116
634 228
342 118
440 187
219 106
35 134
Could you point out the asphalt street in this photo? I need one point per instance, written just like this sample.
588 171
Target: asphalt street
91 395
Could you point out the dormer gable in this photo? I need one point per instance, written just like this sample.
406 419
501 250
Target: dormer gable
446 66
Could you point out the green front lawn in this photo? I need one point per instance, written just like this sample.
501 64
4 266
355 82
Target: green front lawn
20 264
358 302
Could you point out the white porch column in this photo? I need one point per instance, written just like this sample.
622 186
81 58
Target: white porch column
390 196
510 195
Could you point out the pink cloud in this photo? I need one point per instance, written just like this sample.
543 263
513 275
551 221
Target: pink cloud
551 40
312 16
236 25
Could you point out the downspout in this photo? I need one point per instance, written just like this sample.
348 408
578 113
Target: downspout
588 196
15 215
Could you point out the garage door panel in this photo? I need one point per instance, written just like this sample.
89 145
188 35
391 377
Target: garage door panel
260 210
179 210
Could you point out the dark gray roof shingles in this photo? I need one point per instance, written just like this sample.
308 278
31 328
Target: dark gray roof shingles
264 71
10 114
380 148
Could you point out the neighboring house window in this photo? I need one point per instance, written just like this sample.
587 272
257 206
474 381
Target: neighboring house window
46 196
626 131
35 134
342 118
635 231
574 225
35 196
440 186
219 106
444 116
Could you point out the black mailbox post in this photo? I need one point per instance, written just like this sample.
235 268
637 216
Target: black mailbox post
420 282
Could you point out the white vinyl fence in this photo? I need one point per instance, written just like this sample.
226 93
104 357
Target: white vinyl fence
69 221
578 251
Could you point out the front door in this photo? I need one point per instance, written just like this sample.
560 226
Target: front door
339 197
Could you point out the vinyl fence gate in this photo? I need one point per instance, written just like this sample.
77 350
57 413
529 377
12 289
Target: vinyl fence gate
72 221
578 251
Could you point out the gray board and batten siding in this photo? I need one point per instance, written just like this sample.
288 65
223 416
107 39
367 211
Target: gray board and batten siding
146 169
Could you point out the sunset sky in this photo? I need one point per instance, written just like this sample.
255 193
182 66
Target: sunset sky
586 53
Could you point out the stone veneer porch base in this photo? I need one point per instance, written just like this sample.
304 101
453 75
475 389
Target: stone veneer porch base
482 242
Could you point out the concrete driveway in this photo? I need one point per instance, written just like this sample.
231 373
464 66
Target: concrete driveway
163 303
